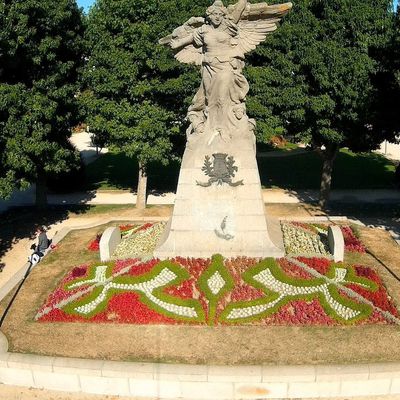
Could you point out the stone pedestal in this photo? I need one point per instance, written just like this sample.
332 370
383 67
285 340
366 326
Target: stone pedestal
225 216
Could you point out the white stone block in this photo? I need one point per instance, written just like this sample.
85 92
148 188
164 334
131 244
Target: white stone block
108 242
250 223
144 388
207 390
105 385
169 389
183 207
181 372
121 369
250 207
336 242
66 365
288 374
185 191
249 192
30 361
375 387
384 370
248 175
17 377
395 386
256 391
186 176
235 373
341 372
313 389
183 223
218 218
56 381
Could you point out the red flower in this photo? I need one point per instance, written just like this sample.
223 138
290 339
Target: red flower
77 272
351 242
94 245
127 227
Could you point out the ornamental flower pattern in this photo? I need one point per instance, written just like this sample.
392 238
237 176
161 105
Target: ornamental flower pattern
312 239
216 291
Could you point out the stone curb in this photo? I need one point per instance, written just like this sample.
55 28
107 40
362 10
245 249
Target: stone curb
172 381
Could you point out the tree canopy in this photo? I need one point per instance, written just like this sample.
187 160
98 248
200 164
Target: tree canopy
137 94
41 50
314 79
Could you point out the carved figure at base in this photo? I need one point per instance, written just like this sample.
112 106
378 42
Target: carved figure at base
218 43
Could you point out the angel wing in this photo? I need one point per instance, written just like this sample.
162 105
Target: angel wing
190 55
186 53
257 21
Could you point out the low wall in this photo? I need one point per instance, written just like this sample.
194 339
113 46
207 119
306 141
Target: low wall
177 381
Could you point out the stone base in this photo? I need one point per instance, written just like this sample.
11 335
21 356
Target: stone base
109 241
221 218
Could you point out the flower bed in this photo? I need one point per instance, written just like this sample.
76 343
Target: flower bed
289 291
140 241
312 239
126 231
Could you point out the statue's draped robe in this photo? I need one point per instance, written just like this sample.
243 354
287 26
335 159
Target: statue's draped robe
224 87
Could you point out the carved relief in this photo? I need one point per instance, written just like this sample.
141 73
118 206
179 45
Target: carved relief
220 170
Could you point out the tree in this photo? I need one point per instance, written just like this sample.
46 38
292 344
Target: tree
40 54
387 81
317 75
137 94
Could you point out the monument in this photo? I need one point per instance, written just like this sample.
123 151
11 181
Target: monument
219 206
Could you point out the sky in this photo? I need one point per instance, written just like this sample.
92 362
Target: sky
87 3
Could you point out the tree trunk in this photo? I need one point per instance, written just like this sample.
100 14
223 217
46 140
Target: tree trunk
41 191
328 157
142 188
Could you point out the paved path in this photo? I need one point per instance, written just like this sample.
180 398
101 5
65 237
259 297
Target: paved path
83 143
390 150
270 196
282 196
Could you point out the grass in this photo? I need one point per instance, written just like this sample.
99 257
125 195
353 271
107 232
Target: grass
115 171
351 171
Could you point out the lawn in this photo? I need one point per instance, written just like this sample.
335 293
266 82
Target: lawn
351 171
115 171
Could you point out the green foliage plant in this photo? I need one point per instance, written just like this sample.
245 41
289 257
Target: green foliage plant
271 296
216 267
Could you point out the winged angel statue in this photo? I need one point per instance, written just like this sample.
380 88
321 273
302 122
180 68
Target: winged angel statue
218 43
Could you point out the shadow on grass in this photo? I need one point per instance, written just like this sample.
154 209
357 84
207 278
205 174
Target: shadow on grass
350 171
374 215
297 171
117 171
20 223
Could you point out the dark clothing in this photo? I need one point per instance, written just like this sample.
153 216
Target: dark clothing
43 243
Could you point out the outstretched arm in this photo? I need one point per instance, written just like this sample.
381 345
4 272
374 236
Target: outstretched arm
238 11
177 43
